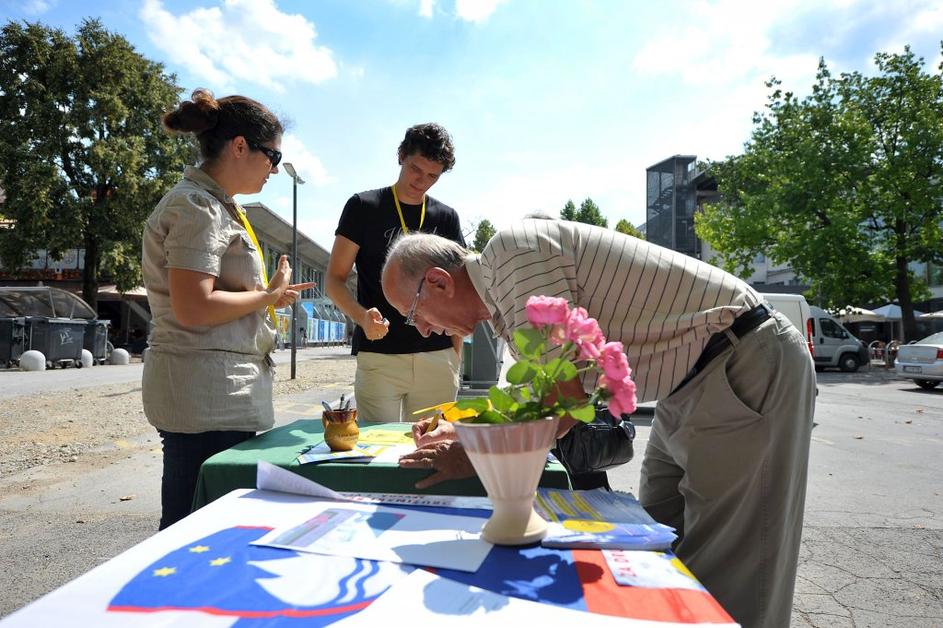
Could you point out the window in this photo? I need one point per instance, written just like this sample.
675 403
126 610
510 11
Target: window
831 329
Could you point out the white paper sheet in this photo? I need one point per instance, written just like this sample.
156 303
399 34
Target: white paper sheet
269 477
425 599
381 533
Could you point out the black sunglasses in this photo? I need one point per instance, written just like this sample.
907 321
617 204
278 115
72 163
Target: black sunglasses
274 156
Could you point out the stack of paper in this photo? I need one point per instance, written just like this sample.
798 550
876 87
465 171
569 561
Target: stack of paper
600 519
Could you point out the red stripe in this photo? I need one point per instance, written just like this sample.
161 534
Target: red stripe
212 610
605 596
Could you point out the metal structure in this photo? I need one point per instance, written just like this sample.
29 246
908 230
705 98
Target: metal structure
295 182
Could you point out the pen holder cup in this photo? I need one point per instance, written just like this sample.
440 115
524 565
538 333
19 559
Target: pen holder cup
340 429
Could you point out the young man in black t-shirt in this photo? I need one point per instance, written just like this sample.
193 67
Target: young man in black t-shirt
398 371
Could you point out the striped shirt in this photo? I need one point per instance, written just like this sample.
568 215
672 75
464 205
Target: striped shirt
662 305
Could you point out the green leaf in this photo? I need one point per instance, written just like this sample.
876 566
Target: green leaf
586 413
529 342
521 373
564 369
500 399
490 416
478 404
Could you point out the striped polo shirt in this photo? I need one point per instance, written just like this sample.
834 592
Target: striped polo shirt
661 304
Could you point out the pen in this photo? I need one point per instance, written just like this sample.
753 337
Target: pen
434 423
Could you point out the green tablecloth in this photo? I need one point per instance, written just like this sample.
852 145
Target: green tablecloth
236 467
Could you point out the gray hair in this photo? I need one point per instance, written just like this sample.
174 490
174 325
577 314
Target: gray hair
417 252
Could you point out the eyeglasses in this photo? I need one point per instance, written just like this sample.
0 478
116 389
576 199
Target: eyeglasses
274 156
411 314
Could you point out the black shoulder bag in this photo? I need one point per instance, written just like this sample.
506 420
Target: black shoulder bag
597 446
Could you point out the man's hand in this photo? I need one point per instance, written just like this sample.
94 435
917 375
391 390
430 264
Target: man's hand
443 432
374 325
448 460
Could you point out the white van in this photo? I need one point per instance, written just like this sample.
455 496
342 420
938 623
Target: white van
796 309
835 346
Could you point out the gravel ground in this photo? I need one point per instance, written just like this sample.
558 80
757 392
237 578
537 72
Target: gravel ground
50 428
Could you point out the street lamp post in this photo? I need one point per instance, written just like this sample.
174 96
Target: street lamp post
295 182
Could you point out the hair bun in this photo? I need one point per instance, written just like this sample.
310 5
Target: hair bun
196 115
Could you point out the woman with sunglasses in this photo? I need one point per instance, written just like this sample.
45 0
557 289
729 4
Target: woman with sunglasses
207 381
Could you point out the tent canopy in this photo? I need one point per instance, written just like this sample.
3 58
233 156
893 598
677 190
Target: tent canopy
932 315
891 312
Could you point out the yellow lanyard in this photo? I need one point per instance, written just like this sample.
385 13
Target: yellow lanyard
255 241
399 210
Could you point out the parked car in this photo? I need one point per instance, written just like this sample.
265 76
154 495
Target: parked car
835 346
922 361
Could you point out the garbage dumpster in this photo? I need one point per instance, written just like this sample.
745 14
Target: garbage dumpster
12 339
61 340
96 339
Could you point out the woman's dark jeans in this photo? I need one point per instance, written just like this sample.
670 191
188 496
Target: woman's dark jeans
183 455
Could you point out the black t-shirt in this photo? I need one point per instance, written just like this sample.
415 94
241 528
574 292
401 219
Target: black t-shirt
370 220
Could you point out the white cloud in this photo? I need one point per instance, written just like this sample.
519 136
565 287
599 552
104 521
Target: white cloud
38 7
719 43
476 10
307 164
426 7
240 41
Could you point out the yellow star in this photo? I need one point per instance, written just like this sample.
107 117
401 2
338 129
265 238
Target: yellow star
199 549
165 571
216 562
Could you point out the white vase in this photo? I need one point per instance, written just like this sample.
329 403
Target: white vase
509 459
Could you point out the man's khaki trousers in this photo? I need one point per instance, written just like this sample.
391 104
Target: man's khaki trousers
390 387
726 466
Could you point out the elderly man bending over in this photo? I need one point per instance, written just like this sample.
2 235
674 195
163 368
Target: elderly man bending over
728 453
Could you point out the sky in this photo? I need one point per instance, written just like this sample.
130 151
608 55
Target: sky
546 100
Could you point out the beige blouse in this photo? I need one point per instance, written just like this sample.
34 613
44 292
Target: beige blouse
199 379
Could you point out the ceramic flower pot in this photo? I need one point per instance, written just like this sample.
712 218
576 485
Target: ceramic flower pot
340 429
509 459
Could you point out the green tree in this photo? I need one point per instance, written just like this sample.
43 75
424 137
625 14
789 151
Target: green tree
588 213
569 211
83 157
484 232
844 185
624 226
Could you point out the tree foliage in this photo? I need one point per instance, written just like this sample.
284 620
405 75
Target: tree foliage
844 185
484 232
588 213
624 226
83 158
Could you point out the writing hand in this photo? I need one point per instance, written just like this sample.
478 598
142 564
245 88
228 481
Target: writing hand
443 432
448 460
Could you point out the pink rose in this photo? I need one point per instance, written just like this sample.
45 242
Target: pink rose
546 310
613 361
623 400
585 333
557 335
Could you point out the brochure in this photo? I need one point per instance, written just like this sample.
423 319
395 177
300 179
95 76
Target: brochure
599 519
363 452
652 570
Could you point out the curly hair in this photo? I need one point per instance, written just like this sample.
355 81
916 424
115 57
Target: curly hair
431 141
215 122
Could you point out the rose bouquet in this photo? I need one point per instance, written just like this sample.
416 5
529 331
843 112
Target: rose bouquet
562 344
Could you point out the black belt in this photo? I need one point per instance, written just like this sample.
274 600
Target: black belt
718 343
